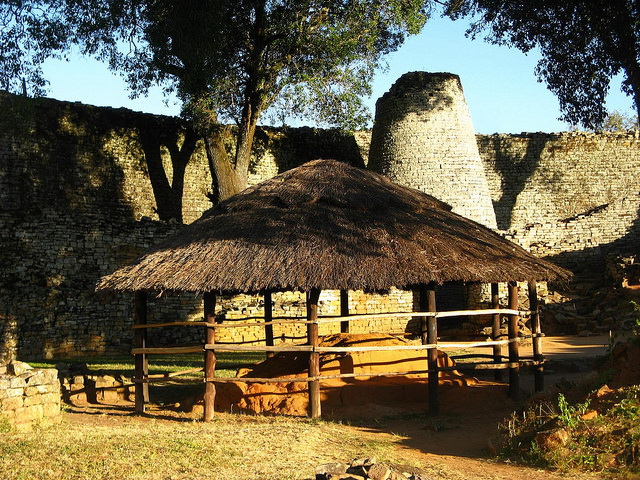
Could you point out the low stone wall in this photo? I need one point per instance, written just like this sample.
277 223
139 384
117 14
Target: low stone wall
29 396
81 386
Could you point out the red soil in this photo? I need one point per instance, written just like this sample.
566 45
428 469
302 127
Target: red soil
361 396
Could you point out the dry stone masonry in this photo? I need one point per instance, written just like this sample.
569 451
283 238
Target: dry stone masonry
28 396
423 138
574 197
81 189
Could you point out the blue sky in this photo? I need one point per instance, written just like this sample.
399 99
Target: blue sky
499 84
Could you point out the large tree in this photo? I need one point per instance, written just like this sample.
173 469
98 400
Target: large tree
584 43
228 60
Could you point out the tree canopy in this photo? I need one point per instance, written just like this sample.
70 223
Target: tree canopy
584 43
228 60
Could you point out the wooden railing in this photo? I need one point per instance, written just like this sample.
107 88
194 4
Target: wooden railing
312 347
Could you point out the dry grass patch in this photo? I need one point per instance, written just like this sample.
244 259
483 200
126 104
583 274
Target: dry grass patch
233 446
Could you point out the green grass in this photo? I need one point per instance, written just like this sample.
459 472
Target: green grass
233 446
226 365
170 392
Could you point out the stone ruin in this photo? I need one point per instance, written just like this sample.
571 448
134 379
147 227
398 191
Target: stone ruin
28 396
423 138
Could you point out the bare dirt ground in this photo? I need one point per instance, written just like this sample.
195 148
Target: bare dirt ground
454 446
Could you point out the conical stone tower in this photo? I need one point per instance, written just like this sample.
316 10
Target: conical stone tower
423 138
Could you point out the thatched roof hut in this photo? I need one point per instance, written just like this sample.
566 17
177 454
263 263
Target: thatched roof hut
328 225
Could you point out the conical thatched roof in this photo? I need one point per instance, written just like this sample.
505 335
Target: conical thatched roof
329 225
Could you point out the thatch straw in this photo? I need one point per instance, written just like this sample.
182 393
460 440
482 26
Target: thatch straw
329 225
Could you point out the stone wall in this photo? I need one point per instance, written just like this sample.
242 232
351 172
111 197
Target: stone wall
77 201
81 188
574 197
293 305
28 396
423 138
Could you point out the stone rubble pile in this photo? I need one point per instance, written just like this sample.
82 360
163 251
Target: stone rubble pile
367 468
591 310
28 396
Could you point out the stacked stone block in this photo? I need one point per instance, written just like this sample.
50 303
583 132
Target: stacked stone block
81 386
290 305
76 202
548 177
29 397
423 138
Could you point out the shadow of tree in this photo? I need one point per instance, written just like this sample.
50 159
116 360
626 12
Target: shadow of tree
515 171
67 218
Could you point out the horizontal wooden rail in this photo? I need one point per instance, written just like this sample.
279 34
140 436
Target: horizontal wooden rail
162 380
446 314
232 347
175 374
496 366
332 319
166 350
173 324
380 348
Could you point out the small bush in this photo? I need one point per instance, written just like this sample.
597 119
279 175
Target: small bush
609 442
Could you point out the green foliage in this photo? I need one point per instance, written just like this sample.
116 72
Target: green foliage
226 363
609 443
583 44
5 426
228 58
617 121
30 32
569 415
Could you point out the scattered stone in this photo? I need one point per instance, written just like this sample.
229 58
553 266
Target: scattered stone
379 471
324 471
363 462
589 415
18 368
549 439
365 468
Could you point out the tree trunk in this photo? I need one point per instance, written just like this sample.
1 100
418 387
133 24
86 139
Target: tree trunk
225 179
229 179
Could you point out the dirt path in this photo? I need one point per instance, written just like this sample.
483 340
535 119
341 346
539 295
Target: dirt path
459 451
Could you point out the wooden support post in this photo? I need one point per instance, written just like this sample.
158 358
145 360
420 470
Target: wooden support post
141 361
344 310
430 336
268 317
209 356
495 330
536 329
514 344
314 357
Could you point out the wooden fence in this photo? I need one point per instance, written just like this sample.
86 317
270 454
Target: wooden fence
428 325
